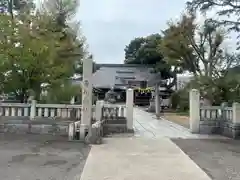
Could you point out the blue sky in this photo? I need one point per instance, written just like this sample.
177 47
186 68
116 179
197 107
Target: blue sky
109 25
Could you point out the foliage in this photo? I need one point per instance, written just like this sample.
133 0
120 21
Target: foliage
180 100
20 6
62 11
37 50
188 47
62 94
228 10
144 50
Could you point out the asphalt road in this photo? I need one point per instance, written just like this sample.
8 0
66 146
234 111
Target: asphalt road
220 159
39 157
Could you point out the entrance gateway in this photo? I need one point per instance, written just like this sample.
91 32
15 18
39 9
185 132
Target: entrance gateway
110 111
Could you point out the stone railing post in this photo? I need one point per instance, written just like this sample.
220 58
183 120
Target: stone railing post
33 109
129 109
98 110
236 113
194 108
236 120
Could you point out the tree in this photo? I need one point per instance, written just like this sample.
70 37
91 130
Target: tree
16 5
197 50
227 9
36 51
28 56
63 11
144 50
62 94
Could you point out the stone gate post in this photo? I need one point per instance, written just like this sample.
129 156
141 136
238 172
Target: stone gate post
194 108
98 111
129 109
86 97
235 120
33 109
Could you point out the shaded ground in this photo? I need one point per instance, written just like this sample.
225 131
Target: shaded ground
34 157
220 159
180 119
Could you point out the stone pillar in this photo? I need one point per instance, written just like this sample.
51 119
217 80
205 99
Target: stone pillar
236 113
72 101
129 108
235 120
33 109
71 131
194 107
157 101
86 97
98 111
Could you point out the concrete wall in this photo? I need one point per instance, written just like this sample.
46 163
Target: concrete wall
41 126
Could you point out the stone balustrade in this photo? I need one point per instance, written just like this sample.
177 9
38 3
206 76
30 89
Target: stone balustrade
214 119
34 110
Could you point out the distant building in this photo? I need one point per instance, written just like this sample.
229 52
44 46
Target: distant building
120 77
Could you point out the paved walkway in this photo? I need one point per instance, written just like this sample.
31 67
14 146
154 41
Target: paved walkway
140 159
146 125
150 154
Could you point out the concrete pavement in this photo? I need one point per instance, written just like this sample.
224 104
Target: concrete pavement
149 154
146 125
140 159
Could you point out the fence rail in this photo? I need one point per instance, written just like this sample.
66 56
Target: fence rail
113 112
58 111
15 109
64 111
215 113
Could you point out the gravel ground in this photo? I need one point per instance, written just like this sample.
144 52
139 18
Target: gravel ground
220 159
39 157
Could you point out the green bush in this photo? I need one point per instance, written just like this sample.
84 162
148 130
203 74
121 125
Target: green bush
180 100
62 95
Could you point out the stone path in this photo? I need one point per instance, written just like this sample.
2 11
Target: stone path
149 154
135 158
146 125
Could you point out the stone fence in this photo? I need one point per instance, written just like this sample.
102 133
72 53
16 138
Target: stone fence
111 118
213 119
67 119
33 111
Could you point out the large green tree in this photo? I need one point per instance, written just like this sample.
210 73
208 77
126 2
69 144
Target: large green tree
144 50
198 49
39 50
